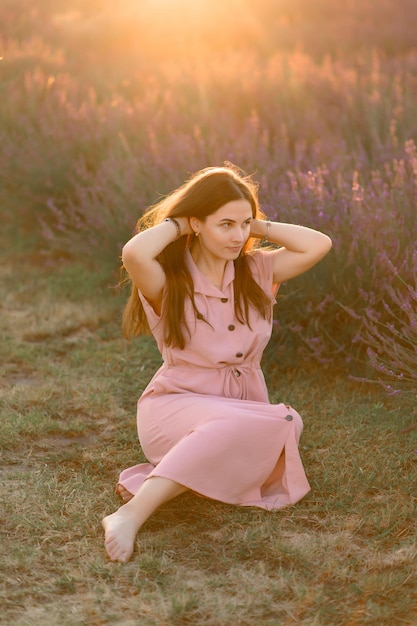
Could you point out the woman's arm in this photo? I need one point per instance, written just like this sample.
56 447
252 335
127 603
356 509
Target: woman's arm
302 247
139 256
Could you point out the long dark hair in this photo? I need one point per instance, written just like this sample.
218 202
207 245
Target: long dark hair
200 196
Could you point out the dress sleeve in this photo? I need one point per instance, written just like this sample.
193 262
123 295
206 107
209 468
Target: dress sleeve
261 264
152 317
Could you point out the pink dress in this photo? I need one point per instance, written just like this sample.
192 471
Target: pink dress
205 420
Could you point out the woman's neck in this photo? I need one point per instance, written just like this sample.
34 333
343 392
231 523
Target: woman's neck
212 268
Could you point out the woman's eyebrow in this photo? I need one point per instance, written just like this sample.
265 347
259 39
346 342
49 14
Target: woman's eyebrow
229 219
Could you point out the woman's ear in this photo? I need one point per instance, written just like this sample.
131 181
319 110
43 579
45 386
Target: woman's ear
195 224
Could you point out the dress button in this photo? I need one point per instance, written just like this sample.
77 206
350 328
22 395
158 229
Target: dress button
231 327
239 354
236 373
224 299
288 418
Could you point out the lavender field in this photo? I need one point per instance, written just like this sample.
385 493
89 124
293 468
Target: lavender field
106 107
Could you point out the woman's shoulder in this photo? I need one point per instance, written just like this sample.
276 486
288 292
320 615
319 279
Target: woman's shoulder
261 265
260 259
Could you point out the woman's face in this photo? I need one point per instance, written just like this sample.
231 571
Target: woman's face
224 233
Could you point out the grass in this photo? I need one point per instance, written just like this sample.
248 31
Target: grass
344 556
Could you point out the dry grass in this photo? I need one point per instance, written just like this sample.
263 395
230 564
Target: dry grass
344 556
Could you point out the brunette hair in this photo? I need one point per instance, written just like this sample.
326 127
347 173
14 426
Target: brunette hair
200 196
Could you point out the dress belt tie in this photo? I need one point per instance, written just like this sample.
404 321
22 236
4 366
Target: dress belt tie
236 380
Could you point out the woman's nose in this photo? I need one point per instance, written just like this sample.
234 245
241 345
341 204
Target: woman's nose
238 235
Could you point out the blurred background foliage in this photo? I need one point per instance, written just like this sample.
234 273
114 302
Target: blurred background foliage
107 105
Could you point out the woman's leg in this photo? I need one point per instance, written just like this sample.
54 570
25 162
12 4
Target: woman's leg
123 493
122 526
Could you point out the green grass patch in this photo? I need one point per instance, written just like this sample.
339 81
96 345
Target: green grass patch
344 556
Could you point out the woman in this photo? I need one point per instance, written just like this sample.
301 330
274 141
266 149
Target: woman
206 292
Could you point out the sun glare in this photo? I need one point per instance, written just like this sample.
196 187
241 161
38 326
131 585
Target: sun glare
173 29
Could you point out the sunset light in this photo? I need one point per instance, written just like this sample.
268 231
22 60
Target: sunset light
178 28
166 167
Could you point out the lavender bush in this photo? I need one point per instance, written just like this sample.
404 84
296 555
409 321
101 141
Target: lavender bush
391 334
96 124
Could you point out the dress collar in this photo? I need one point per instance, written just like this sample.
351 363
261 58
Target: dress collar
202 284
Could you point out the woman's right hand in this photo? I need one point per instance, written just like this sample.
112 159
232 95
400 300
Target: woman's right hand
139 256
184 223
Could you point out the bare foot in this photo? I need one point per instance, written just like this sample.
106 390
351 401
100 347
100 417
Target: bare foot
120 533
123 493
